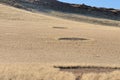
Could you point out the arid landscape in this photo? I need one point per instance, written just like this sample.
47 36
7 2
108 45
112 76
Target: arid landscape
36 45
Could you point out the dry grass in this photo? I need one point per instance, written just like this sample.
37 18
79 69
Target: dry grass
83 18
31 72
46 72
30 37
102 76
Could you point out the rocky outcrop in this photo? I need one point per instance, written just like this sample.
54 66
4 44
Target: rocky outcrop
70 8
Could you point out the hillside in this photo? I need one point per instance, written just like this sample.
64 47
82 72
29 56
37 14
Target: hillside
78 12
23 34
37 46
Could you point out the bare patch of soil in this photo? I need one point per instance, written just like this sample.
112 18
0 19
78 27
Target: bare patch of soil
57 27
73 39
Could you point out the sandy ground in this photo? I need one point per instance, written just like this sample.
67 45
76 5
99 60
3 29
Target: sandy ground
27 37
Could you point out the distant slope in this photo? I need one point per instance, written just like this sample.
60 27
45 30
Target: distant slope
76 12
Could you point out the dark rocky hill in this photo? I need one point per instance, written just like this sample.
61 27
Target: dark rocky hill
55 5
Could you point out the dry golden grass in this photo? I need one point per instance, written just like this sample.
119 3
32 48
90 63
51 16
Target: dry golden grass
102 76
31 37
47 72
31 72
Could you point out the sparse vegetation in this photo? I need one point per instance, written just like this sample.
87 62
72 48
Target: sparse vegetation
81 12
32 37
101 76
83 18
38 72
32 72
